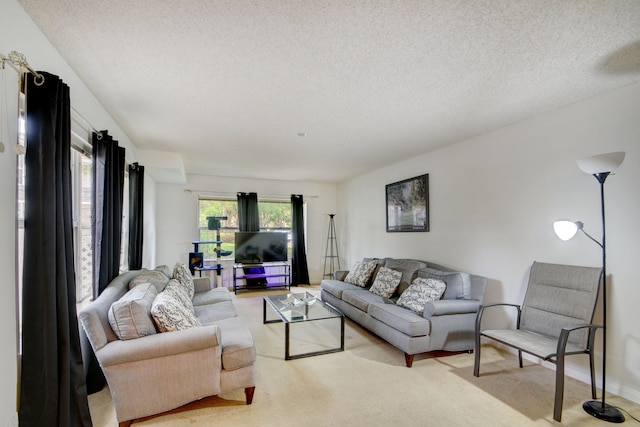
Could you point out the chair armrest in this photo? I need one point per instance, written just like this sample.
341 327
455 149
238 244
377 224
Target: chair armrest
450 306
564 335
159 345
500 304
340 274
201 284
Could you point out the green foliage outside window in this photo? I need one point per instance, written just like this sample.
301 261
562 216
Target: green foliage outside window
274 216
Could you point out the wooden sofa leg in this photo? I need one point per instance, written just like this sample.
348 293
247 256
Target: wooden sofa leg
249 393
124 423
408 359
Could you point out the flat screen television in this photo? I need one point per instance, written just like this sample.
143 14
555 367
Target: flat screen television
256 247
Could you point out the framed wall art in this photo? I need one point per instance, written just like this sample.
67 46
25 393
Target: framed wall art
408 204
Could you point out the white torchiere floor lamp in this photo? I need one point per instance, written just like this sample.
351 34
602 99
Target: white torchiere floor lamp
600 167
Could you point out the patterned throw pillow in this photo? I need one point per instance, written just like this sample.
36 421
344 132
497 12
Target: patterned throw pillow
183 275
360 273
386 282
170 315
179 292
420 292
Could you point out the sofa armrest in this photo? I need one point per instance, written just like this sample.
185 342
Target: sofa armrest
201 284
340 274
159 345
450 306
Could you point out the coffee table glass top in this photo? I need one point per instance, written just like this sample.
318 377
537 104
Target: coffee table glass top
300 307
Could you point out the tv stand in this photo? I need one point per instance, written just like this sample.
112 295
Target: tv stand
276 275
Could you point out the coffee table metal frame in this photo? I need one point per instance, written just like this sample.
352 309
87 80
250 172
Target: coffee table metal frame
275 302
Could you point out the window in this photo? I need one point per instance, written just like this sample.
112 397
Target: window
274 216
81 188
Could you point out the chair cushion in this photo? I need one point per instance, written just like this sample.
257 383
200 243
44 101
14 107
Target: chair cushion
130 316
170 314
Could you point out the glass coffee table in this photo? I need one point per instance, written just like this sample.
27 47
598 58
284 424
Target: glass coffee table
312 327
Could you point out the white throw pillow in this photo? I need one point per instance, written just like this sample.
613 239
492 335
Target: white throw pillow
170 315
130 316
386 282
420 292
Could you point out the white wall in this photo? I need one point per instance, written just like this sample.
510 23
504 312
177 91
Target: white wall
19 33
493 200
177 213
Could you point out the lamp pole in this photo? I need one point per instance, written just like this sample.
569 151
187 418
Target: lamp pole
600 409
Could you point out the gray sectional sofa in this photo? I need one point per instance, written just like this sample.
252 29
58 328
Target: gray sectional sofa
148 371
445 324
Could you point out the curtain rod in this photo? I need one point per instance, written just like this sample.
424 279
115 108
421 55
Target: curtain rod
18 62
235 194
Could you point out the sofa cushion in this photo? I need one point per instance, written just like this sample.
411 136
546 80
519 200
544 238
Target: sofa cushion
155 277
183 275
180 293
238 349
336 287
458 283
361 273
386 282
211 296
420 292
408 268
406 321
361 298
170 314
130 316
208 314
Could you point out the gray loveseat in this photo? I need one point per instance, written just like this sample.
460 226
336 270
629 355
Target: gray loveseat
445 324
149 372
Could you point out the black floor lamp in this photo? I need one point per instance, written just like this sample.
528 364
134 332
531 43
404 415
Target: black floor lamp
599 166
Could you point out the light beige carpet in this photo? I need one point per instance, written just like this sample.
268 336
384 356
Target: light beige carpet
369 385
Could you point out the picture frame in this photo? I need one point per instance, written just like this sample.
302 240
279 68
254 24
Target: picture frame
407 205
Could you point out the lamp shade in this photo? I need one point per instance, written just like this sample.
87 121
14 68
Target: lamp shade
565 230
601 163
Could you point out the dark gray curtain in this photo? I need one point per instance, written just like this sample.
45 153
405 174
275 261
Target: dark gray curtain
136 205
248 217
299 269
249 220
106 221
106 229
52 384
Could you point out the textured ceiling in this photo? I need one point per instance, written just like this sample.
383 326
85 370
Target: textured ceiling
229 84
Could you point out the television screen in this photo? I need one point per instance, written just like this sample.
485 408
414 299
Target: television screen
260 246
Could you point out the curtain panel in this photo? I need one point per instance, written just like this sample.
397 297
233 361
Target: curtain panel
136 212
52 385
299 268
106 221
248 217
